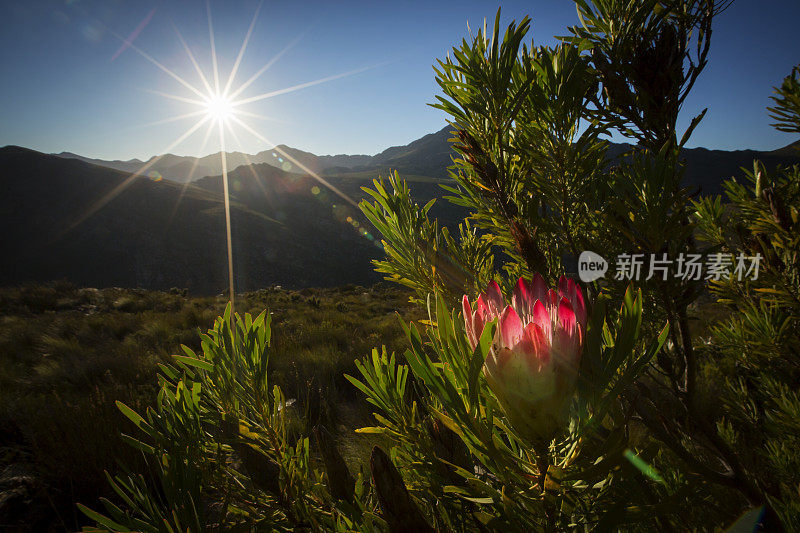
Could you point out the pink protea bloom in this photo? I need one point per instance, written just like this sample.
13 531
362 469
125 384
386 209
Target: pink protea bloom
533 363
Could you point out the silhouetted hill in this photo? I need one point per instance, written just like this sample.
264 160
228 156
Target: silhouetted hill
792 150
430 156
707 169
288 228
316 163
160 234
184 169
263 187
172 167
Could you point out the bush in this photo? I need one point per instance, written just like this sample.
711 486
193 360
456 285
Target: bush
590 406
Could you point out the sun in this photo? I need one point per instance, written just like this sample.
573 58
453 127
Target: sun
218 103
219 108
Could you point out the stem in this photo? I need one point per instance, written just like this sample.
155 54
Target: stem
526 243
543 463
565 226
690 377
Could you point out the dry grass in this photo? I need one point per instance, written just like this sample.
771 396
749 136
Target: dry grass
69 353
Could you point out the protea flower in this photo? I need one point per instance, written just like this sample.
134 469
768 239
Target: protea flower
533 363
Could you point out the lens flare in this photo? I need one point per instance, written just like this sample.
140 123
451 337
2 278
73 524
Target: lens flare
217 103
219 108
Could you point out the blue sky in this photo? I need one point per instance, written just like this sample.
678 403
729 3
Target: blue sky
66 85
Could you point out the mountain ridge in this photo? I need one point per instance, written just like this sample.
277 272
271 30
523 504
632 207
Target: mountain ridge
66 218
160 234
430 155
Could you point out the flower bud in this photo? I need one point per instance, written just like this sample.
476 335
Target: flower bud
533 363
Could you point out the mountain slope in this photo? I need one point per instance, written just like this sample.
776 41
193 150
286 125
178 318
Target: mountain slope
176 168
792 150
288 228
430 156
263 187
146 237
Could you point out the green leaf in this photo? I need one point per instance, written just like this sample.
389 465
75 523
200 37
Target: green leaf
137 444
194 362
132 415
102 520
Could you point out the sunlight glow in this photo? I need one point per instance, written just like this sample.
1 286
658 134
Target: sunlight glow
219 108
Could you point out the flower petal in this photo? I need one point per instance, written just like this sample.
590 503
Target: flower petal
579 304
535 347
567 347
480 316
541 317
569 288
550 302
469 324
539 287
510 328
522 298
566 315
494 297
467 308
502 358
568 336
563 286
552 299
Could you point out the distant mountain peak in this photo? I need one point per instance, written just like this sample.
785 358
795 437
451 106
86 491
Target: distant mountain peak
288 228
430 155
792 149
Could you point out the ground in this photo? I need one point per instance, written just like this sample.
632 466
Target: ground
67 354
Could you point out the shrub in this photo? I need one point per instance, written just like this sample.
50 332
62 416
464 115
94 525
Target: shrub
592 406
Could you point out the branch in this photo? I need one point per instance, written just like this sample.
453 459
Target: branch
399 510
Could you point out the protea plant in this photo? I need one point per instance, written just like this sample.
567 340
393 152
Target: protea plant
533 364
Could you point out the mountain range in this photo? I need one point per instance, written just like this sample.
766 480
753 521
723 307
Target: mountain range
90 222
429 156
160 234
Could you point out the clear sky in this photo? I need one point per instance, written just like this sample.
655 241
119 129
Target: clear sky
69 84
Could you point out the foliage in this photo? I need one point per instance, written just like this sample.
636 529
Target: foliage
69 353
460 485
645 443
787 104
219 428
646 64
533 171
420 255
759 343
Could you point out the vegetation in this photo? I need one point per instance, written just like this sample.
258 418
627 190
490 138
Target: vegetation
70 353
523 401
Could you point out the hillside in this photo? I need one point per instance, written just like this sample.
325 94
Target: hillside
429 156
263 187
158 235
184 169
176 168
288 229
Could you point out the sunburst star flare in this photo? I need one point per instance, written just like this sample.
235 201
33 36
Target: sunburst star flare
218 103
